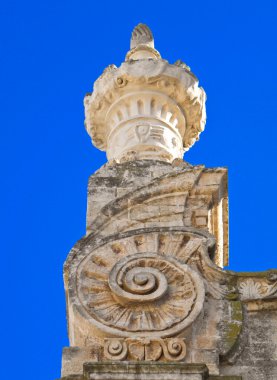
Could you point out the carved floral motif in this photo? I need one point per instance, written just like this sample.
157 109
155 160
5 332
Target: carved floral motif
254 289
173 349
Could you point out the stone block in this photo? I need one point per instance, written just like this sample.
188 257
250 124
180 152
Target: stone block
73 359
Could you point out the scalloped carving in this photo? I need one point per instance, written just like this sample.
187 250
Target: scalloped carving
140 284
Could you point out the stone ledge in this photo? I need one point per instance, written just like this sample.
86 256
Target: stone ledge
144 371
225 378
81 377
72 377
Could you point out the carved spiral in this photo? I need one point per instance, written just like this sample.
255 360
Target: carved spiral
131 279
115 349
140 293
175 349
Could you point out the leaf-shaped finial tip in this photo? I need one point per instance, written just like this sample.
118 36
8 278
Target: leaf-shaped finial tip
142 35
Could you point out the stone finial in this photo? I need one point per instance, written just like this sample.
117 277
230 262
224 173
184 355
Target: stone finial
142 35
146 108
142 44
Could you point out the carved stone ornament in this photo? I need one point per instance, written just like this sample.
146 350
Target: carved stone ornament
138 283
146 294
139 296
173 349
254 289
145 89
141 293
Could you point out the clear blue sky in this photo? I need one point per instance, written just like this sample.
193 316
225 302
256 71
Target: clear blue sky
51 53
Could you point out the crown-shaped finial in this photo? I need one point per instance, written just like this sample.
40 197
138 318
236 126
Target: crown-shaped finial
146 108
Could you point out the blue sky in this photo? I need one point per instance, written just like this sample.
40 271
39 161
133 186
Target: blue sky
51 53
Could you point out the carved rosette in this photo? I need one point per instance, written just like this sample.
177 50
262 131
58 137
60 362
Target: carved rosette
138 285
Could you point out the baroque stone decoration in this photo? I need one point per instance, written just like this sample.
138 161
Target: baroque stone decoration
173 349
146 107
146 290
129 285
254 289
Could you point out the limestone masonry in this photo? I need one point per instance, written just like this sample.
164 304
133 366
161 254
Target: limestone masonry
147 295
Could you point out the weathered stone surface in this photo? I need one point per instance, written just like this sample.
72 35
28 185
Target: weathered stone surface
74 357
225 378
147 297
150 193
145 371
73 377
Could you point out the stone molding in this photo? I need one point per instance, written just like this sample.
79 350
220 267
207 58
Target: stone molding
146 371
